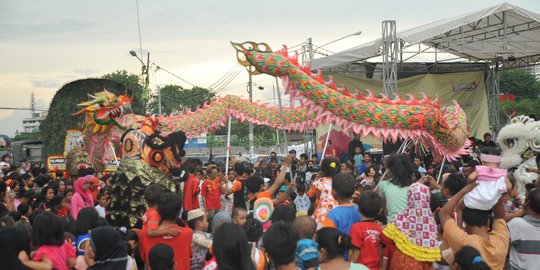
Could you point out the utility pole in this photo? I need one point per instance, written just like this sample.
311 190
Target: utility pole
33 105
281 113
159 100
250 136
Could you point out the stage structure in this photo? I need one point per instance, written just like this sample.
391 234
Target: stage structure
504 36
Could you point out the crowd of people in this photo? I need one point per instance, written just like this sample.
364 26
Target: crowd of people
357 212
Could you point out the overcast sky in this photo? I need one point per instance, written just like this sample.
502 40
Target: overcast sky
45 44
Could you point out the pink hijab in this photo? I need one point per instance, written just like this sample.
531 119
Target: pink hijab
85 194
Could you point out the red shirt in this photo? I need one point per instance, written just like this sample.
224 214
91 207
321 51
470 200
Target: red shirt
366 235
191 193
211 194
181 244
151 219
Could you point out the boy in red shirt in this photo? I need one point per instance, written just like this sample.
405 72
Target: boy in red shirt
211 192
366 234
151 218
169 208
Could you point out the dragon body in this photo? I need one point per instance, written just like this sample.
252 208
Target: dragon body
214 116
444 129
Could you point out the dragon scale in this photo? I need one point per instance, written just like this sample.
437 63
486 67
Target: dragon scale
444 129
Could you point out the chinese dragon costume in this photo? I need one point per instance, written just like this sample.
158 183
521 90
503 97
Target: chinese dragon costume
151 147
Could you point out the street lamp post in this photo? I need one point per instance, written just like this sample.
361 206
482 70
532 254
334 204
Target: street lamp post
146 71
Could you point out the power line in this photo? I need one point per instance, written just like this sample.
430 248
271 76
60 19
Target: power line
139 27
224 75
22 109
228 81
174 75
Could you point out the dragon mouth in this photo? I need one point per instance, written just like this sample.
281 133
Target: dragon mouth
510 142
114 112
82 166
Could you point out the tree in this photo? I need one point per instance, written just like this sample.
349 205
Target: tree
177 100
519 83
22 136
131 81
525 87
60 116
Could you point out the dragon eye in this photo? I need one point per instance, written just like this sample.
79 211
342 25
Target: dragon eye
535 145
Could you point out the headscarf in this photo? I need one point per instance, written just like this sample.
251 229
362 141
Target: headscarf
220 218
109 248
414 230
78 185
12 241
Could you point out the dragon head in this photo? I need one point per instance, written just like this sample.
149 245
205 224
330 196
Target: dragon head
519 141
105 107
260 56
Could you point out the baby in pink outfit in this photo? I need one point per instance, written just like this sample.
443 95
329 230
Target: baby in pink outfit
491 181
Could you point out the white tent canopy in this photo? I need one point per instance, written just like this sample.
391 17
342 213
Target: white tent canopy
505 30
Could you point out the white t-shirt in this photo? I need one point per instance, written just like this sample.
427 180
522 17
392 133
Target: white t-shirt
101 210
302 203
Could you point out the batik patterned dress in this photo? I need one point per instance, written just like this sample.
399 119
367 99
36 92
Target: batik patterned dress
326 201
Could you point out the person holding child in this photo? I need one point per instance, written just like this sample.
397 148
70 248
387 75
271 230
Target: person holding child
492 244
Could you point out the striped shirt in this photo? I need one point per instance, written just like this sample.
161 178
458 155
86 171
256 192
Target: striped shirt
524 243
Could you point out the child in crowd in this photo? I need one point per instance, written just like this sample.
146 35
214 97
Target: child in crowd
226 184
68 194
358 160
346 213
307 250
239 216
211 192
491 181
48 237
280 244
62 210
332 245
469 258
254 186
161 257
47 203
151 218
254 231
366 234
302 201
103 201
202 241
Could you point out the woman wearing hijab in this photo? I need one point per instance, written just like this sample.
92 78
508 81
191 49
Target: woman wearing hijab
12 241
82 197
106 250
219 219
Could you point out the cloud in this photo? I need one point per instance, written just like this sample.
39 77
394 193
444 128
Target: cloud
88 72
20 28
13 122
46 83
